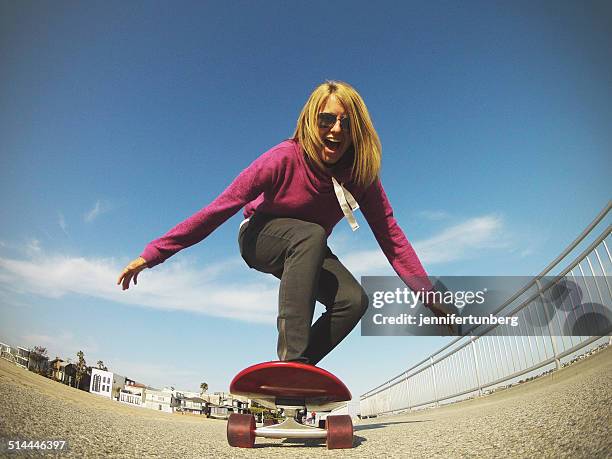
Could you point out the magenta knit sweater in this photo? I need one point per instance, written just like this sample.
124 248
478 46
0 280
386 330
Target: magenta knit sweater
283 182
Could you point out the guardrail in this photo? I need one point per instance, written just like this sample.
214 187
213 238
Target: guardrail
472 365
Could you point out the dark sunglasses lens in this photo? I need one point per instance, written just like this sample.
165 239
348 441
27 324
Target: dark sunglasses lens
326 120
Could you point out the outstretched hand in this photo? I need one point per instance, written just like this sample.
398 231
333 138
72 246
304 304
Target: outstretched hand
130 272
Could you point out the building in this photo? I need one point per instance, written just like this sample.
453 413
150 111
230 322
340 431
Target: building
240 404
119 383
161 400
6 352
133 394
222 404
63 372
101 383
20 356
106 383
195 405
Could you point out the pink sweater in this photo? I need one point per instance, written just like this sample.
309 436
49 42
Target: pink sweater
283 182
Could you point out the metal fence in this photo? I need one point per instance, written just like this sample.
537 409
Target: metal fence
473 365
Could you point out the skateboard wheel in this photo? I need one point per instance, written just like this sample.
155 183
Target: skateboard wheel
241 430
339 432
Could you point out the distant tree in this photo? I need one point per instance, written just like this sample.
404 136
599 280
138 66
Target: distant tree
101 365
38 357
81 368
40 350
203 387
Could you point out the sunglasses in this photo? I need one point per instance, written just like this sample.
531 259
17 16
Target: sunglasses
328 120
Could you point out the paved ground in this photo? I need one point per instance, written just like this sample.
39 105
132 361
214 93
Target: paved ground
566 414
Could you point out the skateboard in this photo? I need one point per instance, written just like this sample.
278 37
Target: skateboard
292 387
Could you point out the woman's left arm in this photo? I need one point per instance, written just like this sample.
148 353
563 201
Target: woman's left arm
378 212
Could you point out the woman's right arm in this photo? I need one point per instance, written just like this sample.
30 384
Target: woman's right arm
249 184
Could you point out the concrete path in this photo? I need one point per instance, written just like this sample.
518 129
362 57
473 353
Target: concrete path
566 414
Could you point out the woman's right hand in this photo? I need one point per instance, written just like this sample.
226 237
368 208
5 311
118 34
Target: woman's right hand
131 271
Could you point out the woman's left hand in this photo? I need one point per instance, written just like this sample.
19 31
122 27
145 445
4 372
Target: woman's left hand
446 310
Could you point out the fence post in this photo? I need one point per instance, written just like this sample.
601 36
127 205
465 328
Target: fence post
472 339
548 320
435 386
408 390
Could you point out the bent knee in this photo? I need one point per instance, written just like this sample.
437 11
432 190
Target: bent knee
312 234
365 301
358 301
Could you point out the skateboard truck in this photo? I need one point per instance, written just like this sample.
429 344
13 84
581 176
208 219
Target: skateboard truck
290 428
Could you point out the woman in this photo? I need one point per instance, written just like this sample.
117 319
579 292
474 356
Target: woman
294 194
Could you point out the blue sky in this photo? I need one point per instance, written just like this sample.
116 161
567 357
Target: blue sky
119 120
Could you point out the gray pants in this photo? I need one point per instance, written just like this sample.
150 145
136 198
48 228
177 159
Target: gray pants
296 252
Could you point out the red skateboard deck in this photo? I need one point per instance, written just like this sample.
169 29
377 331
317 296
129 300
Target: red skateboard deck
290 386
289 381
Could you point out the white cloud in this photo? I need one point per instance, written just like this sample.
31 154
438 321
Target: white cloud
247 296
464 241
99 208
176 286
461 241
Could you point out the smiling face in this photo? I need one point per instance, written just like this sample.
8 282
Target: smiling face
336 139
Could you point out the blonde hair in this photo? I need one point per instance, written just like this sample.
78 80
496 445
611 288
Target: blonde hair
366 144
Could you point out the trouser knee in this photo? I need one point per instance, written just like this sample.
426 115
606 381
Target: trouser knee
310 236
357 302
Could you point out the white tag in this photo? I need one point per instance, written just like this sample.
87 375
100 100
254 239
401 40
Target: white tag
347 203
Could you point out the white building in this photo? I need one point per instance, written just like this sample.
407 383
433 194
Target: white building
133 394
23 357
18 355
106 383
101 382
160 400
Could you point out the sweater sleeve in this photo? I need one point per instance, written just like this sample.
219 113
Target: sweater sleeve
378 212
249 184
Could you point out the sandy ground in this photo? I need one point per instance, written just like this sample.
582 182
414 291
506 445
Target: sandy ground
566 414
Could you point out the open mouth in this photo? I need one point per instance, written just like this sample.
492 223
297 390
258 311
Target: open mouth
333 145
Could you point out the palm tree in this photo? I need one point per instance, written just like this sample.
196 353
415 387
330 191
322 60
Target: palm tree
101 365
203 387
81 368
